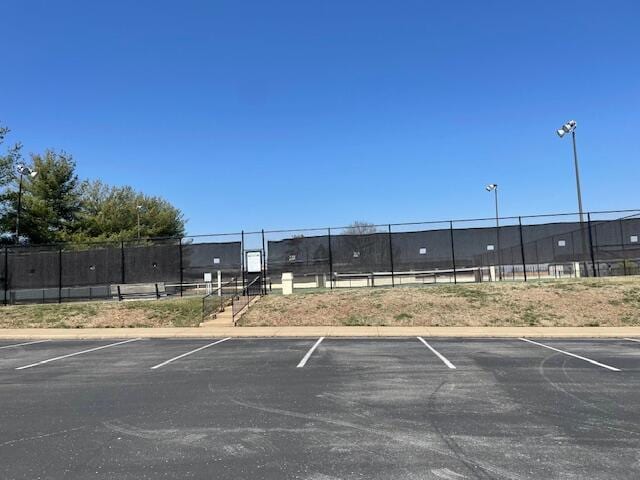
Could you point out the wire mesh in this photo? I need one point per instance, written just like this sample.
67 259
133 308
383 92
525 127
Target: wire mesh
532 247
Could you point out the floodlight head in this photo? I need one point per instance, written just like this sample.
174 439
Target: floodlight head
568 127
491 187
24 170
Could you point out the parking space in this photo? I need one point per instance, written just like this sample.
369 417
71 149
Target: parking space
620 353
18 354
320 408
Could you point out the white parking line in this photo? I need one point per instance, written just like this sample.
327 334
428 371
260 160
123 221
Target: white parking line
439 355
20 344
633 340
189 353
49 360
303 362
608 367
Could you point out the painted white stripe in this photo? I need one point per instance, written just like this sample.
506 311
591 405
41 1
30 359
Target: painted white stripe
189 353
25 343
633 340
303 362
49 360
608 367
439 355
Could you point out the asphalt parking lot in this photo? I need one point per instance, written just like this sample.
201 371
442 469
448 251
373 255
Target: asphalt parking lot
320 409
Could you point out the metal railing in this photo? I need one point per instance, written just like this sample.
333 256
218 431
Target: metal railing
216 301
240 302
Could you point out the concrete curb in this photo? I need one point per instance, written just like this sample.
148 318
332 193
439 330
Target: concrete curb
291 332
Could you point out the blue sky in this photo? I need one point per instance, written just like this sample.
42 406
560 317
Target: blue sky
277 114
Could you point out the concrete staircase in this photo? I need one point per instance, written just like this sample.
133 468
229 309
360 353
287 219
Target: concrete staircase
225 318
221 319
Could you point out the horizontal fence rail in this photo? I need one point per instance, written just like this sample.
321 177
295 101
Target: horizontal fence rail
606 243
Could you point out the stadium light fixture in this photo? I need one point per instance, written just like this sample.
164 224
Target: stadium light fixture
138 208
493 187
570 127
22 170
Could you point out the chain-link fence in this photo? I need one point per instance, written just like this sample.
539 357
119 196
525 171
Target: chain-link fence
456 251
61 273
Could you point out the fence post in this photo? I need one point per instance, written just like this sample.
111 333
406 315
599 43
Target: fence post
264 265
242 259
624 257
393 282
593 257
122 262
181 269
453 253
60 275
524 263
330 262
6 275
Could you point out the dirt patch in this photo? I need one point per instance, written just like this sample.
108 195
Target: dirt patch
185 312
579 302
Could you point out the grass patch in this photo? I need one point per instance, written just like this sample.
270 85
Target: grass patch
562 302
530 316
186 312
470 293
171 312
631 297
357 321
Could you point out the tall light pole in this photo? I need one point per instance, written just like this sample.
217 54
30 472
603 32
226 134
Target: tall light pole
138 208
493 187
22 170
570 127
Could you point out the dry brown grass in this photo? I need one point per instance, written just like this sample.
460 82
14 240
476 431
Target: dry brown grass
579 302
176 312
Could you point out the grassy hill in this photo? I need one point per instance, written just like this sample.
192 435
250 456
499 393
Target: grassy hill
174 312
576 302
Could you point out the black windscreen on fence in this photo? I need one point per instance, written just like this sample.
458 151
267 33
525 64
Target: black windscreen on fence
361 253
72 272
95 266
302 255
549 249
201 258
422 250
38 266
152 263
435 252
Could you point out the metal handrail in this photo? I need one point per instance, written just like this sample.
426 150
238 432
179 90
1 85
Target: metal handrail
239 302
218 292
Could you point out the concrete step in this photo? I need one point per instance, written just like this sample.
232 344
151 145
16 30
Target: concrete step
222 319
225 319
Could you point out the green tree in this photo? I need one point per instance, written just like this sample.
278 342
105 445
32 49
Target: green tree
5 161
50 201
112 213
57 207
8 162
